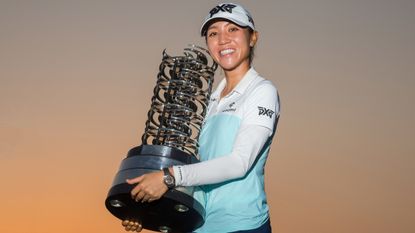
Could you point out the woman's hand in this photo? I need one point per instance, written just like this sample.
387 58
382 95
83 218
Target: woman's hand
150 187
131 225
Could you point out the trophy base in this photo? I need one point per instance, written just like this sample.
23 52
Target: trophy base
177 211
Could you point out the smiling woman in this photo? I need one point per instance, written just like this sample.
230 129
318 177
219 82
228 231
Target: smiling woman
230 46
244 104
76 78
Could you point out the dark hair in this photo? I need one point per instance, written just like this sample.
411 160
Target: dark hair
251 48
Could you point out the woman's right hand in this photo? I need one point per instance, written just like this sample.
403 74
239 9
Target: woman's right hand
131 225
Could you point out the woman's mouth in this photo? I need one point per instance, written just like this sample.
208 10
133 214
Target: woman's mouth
226 51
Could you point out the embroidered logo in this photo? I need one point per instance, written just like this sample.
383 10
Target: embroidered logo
231 108
265 112
250 19
224 8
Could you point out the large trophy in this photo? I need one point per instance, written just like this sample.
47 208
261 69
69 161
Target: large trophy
178 107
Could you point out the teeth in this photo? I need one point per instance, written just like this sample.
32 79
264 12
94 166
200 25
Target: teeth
226 51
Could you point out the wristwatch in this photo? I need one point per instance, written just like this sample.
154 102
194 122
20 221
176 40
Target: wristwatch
168 178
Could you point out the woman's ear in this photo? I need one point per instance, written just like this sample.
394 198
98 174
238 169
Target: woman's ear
253 39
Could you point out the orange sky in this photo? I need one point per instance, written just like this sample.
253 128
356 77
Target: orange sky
76 78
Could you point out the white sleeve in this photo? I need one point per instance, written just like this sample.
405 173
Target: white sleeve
249 142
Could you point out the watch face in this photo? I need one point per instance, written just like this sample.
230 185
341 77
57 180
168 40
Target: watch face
169 181
168 178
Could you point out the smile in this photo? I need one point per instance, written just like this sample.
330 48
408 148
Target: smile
226 51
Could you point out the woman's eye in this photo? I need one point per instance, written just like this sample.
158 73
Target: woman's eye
210 34
233 29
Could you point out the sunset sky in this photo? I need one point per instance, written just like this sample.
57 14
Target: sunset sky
76 79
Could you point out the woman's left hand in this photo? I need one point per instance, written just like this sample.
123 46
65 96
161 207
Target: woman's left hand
150 187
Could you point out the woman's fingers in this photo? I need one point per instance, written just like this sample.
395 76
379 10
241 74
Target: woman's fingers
135 180
130 225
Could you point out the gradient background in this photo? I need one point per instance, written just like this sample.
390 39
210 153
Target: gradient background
76 78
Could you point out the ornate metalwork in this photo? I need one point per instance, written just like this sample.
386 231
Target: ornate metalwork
180 99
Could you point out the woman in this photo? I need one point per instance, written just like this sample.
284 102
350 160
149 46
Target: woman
236 136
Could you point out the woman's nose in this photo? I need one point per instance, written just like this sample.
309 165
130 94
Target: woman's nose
223 38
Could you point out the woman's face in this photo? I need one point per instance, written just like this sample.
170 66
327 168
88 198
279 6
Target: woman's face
229 45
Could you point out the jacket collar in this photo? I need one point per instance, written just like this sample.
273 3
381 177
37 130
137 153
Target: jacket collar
241 87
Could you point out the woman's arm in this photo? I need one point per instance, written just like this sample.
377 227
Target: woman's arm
248 144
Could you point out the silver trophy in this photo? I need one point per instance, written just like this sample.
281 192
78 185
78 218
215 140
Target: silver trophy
178 107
